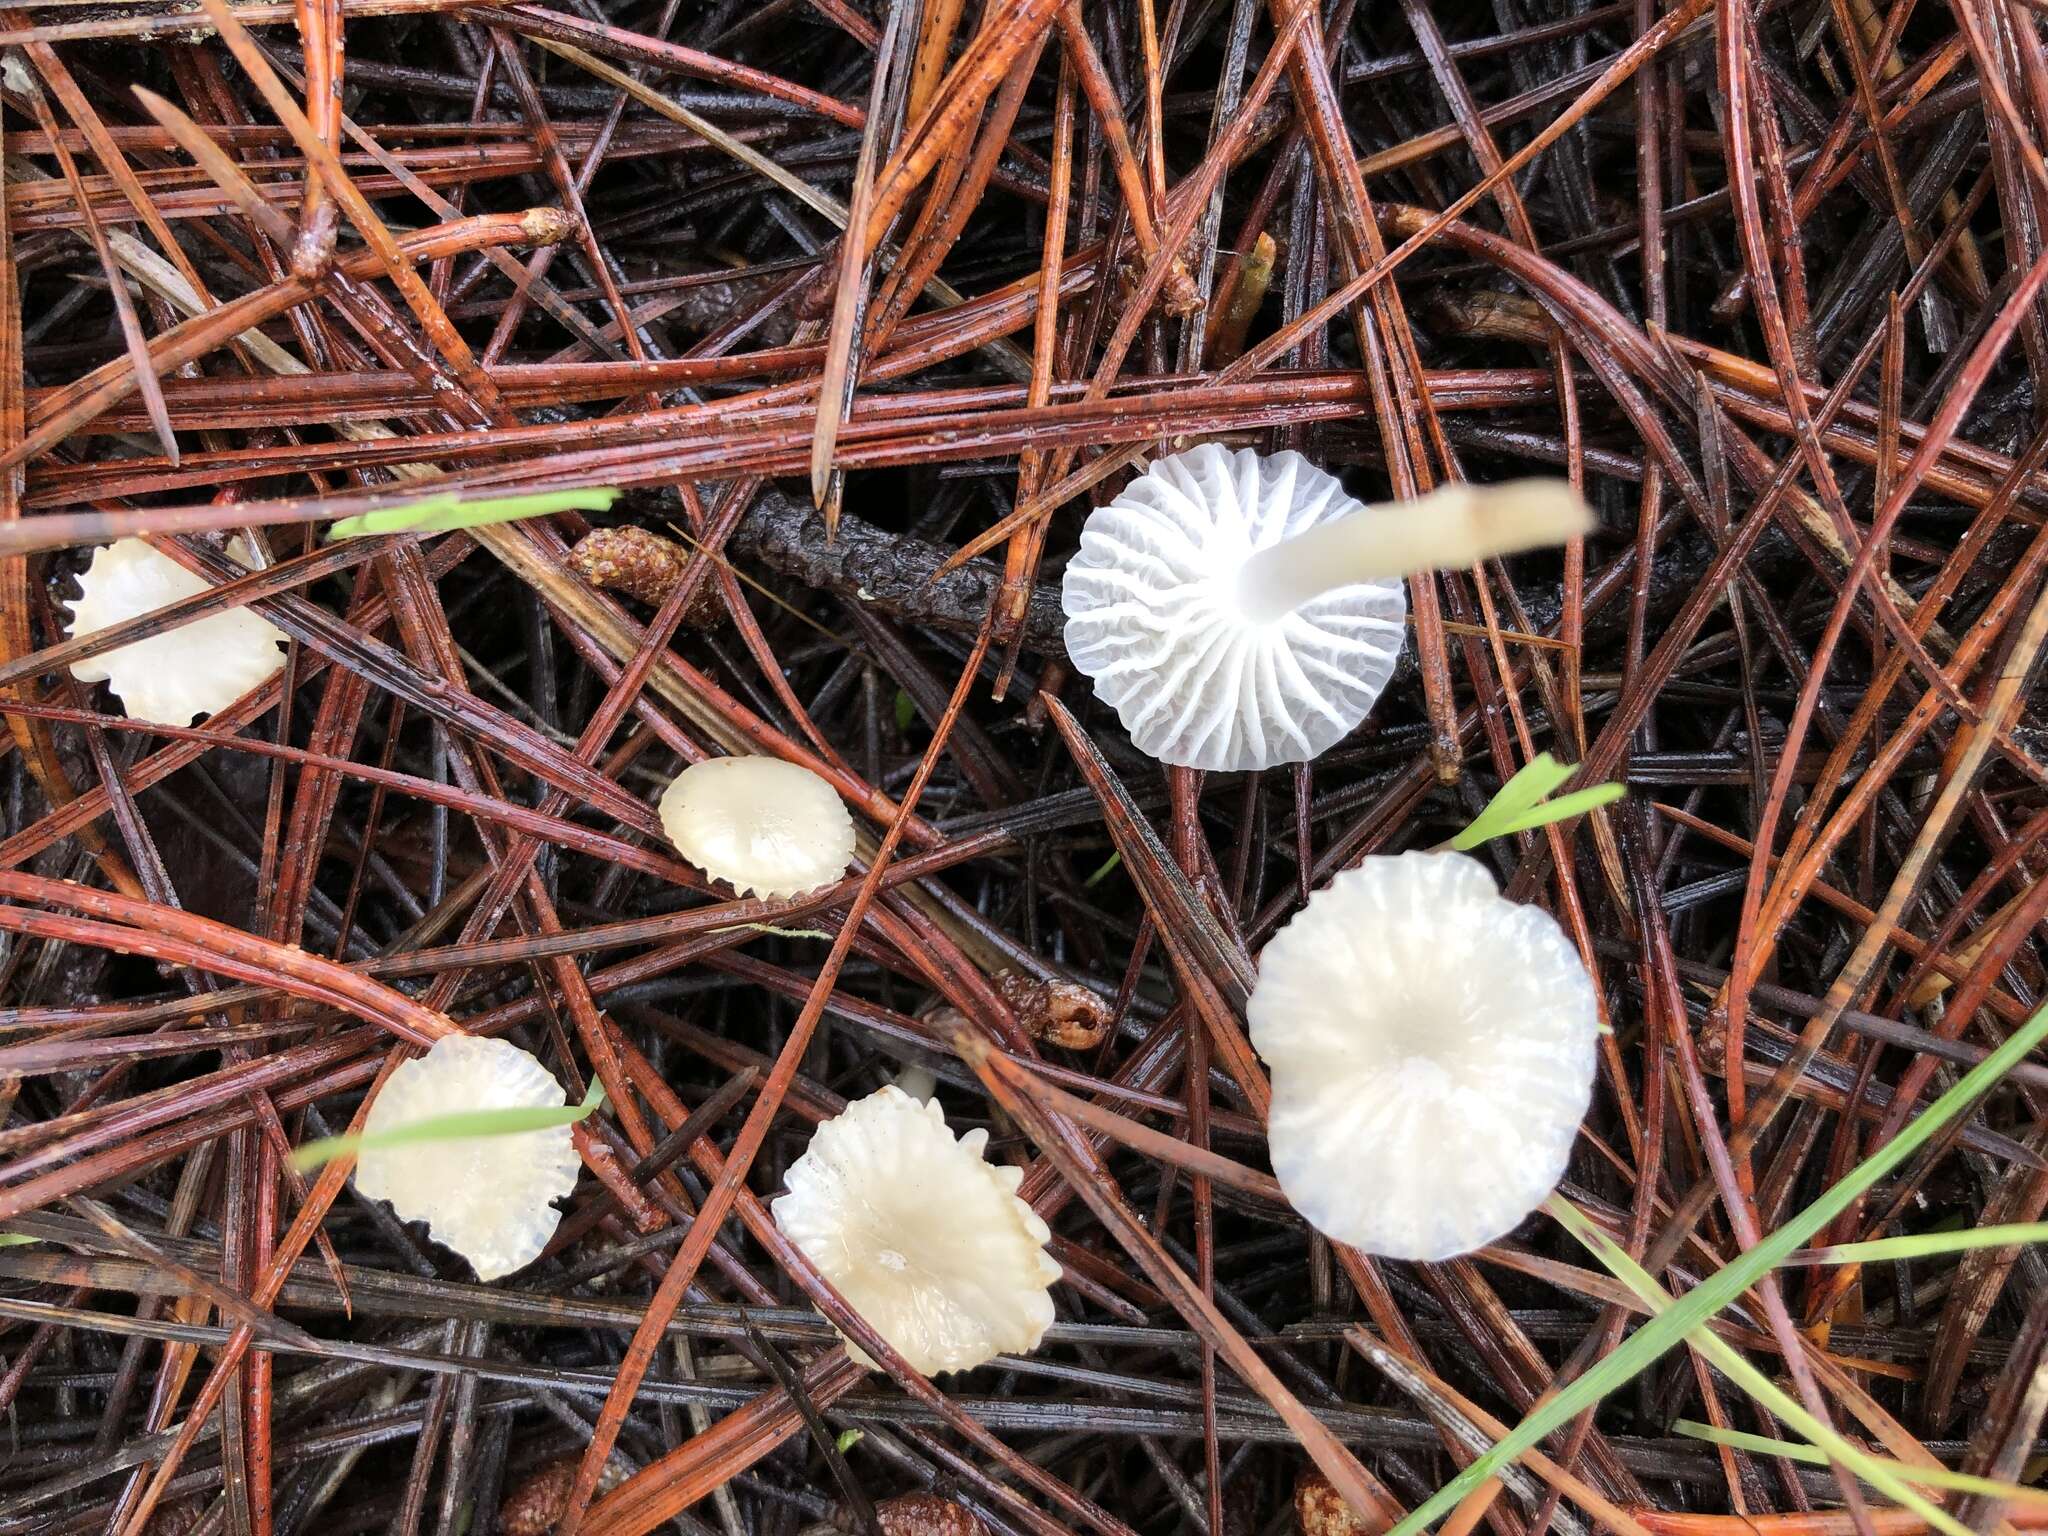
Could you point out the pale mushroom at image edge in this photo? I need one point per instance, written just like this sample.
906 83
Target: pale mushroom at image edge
1432 1047
1239 610
922 1236
765 827
171 678
490 1198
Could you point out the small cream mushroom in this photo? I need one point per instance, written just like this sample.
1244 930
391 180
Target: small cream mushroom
1432 1050
490 1198
171 678
924 1238
765 827
1240 611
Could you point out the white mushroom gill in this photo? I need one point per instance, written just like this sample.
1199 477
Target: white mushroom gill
490 1198
1432 1046
924 1238
766 827
173 677
1240 611
1155 616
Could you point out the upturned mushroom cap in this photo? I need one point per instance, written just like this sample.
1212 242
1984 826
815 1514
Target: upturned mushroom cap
926 1239
1157 617
490 1198
1432 1048
763 826
173 677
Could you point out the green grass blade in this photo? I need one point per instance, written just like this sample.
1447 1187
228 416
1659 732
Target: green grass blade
1880 1474
1756 1445
462 1125
1577 803
1539 778
1524 802
1924 1245
1662 1333
439 514
1926 1477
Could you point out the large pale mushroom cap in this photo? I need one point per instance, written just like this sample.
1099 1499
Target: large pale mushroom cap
1432 1047
1156 617
765 827
928 1241
173 677
490 1198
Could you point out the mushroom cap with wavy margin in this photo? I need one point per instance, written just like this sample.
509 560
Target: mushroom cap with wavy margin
1155 616
765 827
174 677
490 1198
924 1237
1432 1046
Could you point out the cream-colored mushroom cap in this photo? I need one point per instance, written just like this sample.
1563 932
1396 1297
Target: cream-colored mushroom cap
173 677
763 826
1432 1046
1239 611
925 1238
490 1198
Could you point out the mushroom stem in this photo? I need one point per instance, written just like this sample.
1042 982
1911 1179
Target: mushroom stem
1452 527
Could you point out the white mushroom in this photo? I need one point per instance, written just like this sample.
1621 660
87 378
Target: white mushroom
490 1198
1432 1050
765 827
1239 611
927 1241
203 665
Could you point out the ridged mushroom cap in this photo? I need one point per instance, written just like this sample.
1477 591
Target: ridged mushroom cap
1155 617
763 826
1432 1048
924 1237
174 677
490 1198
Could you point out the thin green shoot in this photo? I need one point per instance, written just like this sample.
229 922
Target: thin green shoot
780 933
440 514
906 711
462 1125
1756 1445
1927 1477
848 1439
1736 1366
1524 802
16 1239
1662 1333
1924 1245
1103 871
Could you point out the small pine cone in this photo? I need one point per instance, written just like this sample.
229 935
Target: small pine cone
1059 1013
535 1504
645 567
1319 1510
926 1514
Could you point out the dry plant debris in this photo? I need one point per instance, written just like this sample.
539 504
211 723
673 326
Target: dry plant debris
864 306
